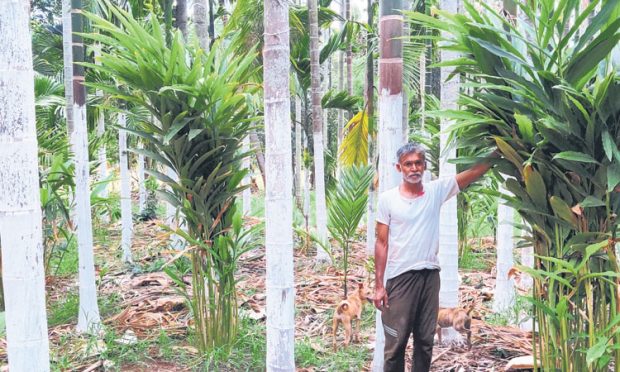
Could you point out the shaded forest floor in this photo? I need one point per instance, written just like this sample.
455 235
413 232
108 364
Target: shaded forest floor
146 319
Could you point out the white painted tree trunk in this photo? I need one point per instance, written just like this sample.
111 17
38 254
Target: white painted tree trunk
142 194
173 219
527 259
126 221
527 282
298 151
306 193
448 227
88 311
325 71
20 206
390 134
102 170
504 297
422 89
317 125
247 193
278 191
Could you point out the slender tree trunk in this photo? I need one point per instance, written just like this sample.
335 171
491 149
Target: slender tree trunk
199 14
341 80
317 126
278 190
504 297
298 152
181 17
349 57
101 154
370 108
173 217
142 195
390 117
247 193
211 23
422 90
88 312
126 220
20 206
448 226
325 72
258 150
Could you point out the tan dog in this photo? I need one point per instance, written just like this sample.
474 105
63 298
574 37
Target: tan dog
346 311
457 318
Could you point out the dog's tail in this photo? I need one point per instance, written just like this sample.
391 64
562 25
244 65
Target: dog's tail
471 308
342 307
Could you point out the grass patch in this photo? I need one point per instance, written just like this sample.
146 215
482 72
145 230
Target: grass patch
64 311
248 352
120 353
64 260
475 261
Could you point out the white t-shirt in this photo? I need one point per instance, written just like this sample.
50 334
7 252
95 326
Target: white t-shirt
413 239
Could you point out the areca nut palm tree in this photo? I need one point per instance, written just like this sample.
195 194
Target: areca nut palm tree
75 92
390 118
317 130
126 220
20 206
278 189
448 225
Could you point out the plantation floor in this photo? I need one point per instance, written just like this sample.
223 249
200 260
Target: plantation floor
146 319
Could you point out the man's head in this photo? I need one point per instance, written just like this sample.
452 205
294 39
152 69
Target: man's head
411 162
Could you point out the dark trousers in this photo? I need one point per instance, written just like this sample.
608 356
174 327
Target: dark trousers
413 299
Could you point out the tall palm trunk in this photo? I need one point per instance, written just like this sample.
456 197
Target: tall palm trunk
298 160
181 16
278 190
390 118
199 14
88 312
102 170
126 220
20 206
211 23
247 193
372 148
448 225
347 16
341 79
317 132
504 297
142 195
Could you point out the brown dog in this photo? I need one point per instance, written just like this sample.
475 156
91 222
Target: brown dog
346 311
457 318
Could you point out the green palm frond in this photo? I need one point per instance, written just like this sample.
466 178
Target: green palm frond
341 100
346 207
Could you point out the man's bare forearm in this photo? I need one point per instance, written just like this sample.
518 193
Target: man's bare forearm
380 261
472 174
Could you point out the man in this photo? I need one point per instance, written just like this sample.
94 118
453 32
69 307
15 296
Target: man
406 256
